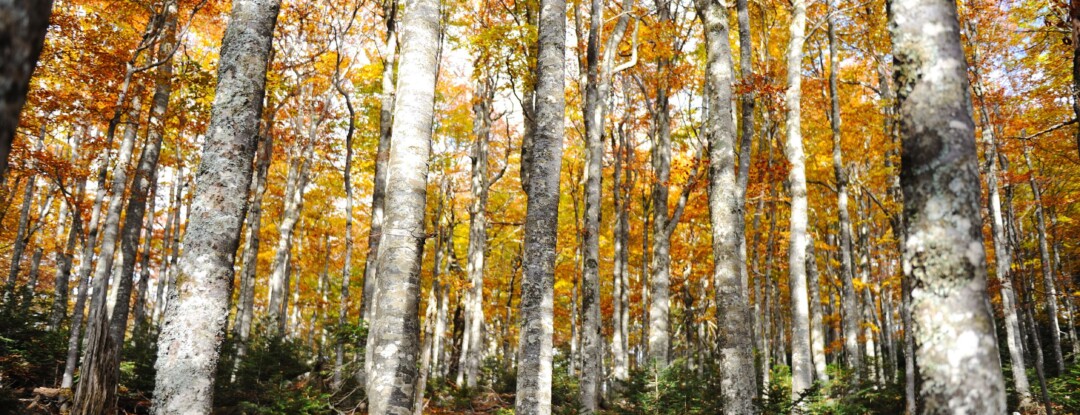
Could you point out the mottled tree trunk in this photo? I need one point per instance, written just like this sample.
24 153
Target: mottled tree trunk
395 333
382 155
64 259
802 371
958 369
660 266
746 127
620 358
1049 289
194 320
346 268
541 215
474 297
23 24
1074 38
140 319
734 334
245 312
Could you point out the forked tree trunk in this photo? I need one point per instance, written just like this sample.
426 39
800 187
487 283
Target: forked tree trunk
394 336
734 332
542 215
197 310
944 261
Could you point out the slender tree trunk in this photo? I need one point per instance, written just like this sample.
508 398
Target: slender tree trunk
849 299
959 370
394 336
197 311
817 328
802 372
660 269
22 238
99 371
143 183
139 316
382 156
1074 19
733 310
22 35
1002 251
1049 290
346 269
64 259
620 308
542 214
277 310
474 308
746 127
246 307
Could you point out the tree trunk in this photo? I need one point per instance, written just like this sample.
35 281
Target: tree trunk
22 35
802 372
620 358
1074 38
746 124
22 238
139 316
542 214
1049 290
246 306
660 269
394 335
734 332
197 310
849 299
1002 252
474 307
958 369
99 371
145 180
817 328
382 155
277 310
64 259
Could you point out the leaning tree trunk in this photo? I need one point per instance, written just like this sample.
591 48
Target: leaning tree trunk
1002 252
394 337
99 371
802 372
736 362
197 309
145 179
957 361
382 155
22 238
1049 290
542 215
23 24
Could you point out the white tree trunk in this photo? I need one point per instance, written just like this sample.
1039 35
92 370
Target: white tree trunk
394 336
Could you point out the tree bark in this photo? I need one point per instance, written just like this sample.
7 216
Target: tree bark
139 317
246 303
346 268
394 336
1074 19
474 307
817 328
277 310
22 238
1002 251
1049 289
197 310
802 372
382 155
734 334
23 24
958 369
99 371
541 215
746 127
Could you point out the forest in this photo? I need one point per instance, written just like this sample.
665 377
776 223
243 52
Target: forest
539 207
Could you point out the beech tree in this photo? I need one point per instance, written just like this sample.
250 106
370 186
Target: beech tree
194 321
23 24
956 357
